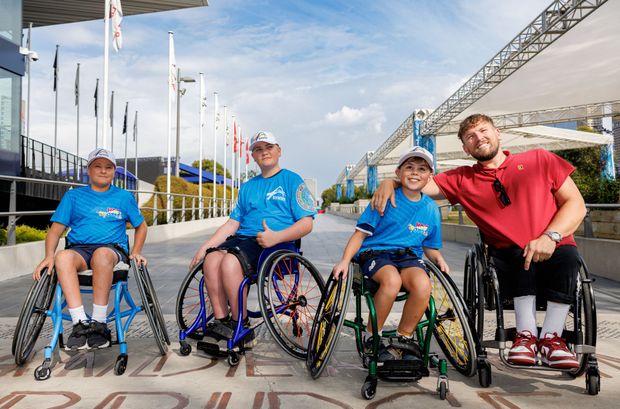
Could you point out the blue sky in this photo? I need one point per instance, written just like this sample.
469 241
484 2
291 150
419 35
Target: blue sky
331 79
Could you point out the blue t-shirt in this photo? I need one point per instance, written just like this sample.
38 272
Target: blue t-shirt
408 225
98 217
280 200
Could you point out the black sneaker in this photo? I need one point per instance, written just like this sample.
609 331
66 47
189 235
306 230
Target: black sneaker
409 348
77 339
220 329
368 346
100 335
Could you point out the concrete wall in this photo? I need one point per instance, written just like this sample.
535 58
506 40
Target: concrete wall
23 258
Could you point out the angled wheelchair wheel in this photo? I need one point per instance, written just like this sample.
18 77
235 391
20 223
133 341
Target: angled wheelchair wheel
289 291
475 292
327 324
452 328
32 316
151 307
188 302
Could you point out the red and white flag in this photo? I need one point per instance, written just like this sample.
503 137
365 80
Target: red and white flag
247 153
116 14
240 145
172 69
235 136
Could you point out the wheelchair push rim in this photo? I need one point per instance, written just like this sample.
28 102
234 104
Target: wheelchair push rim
289 291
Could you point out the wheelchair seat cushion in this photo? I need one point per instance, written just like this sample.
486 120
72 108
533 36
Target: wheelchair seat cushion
120 273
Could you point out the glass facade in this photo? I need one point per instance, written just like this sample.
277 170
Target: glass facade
11 20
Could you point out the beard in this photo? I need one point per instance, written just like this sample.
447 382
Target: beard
481 157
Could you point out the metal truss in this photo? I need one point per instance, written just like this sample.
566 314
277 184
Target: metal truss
548 116
551 24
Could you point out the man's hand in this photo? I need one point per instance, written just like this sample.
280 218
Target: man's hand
537 250
47 262
267 238
341 269
384 192
138 258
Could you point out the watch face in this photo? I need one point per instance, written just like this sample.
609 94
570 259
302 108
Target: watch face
555 236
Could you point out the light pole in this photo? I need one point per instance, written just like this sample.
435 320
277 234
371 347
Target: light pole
179 94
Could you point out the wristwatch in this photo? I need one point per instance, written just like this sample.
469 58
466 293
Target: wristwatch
554 235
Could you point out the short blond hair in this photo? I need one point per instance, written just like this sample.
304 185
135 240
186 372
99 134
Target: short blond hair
471 121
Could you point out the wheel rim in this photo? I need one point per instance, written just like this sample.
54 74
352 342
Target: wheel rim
188 301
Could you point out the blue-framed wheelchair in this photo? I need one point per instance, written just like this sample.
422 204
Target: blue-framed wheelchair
446 320
45 299
482 293
289 290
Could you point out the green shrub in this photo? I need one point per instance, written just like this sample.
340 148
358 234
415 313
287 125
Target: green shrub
24 234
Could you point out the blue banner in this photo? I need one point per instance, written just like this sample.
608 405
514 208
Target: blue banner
338 191
608 170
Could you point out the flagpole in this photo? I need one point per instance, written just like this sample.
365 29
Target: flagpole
215 109
97 114
56 81
28 62
77 104
125 132
200 142
135 138
106 54
112 122
246 159
239 158
232 162
171 73
225 149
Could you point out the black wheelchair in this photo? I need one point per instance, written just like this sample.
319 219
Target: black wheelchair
289 289
45 299
446 319
481 293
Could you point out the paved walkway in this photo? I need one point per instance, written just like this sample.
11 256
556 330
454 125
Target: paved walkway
266 376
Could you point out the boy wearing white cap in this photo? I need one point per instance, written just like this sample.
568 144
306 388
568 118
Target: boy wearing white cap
390 249
97 215
273 207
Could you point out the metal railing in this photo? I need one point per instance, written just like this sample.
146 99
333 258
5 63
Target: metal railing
184 207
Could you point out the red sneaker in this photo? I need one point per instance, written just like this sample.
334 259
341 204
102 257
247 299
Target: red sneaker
524 349
555 353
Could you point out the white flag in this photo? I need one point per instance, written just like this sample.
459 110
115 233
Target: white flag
172 70
116 14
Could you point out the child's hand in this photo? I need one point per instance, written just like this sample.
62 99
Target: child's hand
198 257
48 262
267 238
138 258
341 269
443 266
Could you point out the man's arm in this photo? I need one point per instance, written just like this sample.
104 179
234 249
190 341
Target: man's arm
353 246
138 243
571 211
51 243
269 238
386 189
227 229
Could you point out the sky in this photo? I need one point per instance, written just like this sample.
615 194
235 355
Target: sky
331 79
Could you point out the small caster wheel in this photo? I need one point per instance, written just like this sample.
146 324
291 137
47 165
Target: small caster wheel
443 390
369 389
233 359
186 349
484 374
120 365
593 383
42 373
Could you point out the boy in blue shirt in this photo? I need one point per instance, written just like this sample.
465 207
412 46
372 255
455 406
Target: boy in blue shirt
390 251
97 215
273 207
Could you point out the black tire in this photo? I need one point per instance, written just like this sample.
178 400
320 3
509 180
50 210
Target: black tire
42 373
452 330
233 359
289 291
470 284
484 374
150 306
327 324
369 388
158 314
443 390
586 321
593 384
32 316
120 365
185 349
188 302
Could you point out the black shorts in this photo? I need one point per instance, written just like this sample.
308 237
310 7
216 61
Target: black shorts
554 279
247 247
373 263
87 251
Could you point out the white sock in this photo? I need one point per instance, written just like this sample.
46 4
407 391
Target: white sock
525 314
100 313
555 318
78 314
400 334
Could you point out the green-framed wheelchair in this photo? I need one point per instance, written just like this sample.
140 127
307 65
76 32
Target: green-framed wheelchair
446 319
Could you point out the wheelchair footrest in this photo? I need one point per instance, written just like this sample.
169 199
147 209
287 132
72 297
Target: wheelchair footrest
211 349
401 370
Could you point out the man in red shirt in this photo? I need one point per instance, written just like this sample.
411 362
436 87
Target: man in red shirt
527 207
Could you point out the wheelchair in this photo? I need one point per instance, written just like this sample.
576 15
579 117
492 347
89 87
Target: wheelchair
289 289
446 320
45 299
481 293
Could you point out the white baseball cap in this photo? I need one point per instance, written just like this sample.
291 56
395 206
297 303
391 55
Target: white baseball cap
101 153
417 152
262 136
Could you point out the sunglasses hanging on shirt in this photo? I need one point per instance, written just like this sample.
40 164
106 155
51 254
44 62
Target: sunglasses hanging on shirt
503 196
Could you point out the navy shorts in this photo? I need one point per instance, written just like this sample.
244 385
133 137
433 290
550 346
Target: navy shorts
398 259
87 250
248 248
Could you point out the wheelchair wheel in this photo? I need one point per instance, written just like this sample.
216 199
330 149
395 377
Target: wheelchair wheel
289 291
151 307
474 288
583 323
327 324
452 330
188 302
32 316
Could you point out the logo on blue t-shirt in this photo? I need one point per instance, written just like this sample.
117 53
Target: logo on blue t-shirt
277 194
110 212
305 200
419 227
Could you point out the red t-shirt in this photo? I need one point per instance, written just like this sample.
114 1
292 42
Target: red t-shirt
530 179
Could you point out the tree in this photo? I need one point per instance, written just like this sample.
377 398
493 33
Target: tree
207 164
328 196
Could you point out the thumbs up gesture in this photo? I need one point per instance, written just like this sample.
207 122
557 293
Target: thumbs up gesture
267 238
